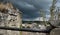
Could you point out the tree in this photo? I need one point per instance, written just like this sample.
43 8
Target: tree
53 21
43 14
52 9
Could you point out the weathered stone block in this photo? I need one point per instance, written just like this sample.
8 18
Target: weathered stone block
55 31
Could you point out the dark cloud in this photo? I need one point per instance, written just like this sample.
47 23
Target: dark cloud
31 8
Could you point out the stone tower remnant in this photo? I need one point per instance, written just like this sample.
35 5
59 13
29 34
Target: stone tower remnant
9 17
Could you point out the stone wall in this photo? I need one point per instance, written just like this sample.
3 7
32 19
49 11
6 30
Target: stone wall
33 33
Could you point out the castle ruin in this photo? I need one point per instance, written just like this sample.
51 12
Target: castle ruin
9 17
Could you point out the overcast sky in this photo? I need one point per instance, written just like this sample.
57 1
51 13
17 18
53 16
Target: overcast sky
31 8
